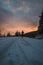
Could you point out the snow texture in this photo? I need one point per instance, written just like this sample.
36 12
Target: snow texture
18 51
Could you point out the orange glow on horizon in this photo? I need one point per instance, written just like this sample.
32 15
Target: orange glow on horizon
17 25
13 30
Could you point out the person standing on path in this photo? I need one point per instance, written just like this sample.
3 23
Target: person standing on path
22 33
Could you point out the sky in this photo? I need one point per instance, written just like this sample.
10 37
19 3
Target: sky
19 15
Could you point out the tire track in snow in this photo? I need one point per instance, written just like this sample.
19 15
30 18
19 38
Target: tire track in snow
18 54
27 44
2 53
31 62
22 51
13 55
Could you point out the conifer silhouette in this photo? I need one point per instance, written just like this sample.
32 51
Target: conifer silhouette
40 28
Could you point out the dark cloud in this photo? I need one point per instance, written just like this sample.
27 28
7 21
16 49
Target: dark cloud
19 12
4 14
20 2
36 6
22 9
34 1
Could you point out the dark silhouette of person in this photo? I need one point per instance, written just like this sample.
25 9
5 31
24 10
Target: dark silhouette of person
22 33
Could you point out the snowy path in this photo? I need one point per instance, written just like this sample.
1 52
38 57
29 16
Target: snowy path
18 51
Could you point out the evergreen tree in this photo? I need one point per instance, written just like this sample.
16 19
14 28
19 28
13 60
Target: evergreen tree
16 33
8 34
40 28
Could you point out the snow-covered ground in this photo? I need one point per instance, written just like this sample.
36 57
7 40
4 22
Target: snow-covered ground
18 51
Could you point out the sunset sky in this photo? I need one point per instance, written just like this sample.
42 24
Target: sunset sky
19 15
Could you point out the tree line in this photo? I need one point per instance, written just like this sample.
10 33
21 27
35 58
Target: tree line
17 33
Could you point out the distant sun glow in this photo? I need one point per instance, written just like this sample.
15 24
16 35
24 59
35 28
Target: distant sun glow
13 27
